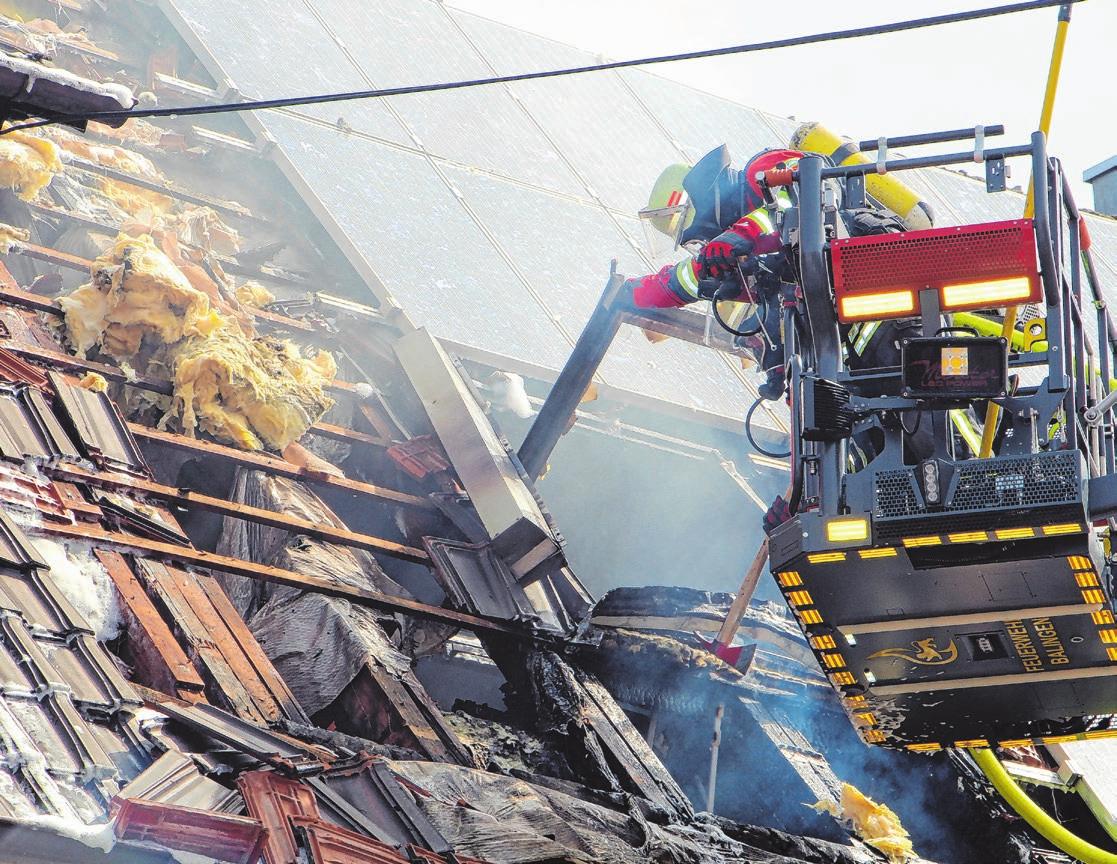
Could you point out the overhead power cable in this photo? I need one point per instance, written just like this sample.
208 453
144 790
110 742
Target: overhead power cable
772 44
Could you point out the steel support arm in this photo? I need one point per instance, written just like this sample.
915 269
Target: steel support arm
573 380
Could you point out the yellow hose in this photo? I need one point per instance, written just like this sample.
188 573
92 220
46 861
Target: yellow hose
1044 824
993 412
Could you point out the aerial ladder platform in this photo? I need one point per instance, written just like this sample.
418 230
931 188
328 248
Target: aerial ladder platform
954 599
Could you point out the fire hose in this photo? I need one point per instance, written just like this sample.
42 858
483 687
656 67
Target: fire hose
1044 824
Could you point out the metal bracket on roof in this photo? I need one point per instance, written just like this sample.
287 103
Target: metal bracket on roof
979 143
996 174
882 155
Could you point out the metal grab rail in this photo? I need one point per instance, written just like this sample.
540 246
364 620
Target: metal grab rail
1073 360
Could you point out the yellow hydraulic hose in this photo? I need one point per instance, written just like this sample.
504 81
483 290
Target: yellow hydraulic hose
992 413
1044 824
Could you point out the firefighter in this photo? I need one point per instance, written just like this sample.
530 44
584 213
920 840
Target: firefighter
720 213
721 210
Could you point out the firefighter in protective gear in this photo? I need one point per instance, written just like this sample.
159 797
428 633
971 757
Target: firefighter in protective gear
716 206
722 210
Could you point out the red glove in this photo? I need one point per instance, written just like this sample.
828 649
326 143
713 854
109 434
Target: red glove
719 256
777 514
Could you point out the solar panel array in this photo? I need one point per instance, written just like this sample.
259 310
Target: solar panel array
490 214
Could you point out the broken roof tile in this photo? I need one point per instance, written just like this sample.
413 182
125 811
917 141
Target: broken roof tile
237 839
273 800
101 431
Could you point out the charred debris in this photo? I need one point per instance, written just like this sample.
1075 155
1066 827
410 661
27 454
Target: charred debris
274 587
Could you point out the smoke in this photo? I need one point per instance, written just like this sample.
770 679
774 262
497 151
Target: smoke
80 576
506 392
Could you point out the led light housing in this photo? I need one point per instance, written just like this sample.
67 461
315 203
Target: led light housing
983 266
847 530
929 472
948 370
872 307
989 294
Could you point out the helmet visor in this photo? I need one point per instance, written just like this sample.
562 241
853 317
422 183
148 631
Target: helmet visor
662 227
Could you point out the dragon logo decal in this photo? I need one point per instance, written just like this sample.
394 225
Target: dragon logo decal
923 652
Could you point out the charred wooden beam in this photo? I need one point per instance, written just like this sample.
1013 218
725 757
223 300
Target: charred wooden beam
154 653
277 467
166 188
277 576
196 500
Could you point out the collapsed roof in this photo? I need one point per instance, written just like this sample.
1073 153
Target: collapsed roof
353 634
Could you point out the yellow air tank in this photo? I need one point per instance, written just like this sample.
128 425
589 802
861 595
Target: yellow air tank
885 188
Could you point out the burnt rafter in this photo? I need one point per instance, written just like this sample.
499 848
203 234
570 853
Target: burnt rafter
239 567
276 466
189 499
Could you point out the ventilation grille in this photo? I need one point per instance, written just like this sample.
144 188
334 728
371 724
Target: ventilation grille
1028 481
939 256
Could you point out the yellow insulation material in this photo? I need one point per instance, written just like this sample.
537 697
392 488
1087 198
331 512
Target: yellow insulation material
874 823
254 294
249 391
10 236
136 292
27 163
252 392
134 200
93 381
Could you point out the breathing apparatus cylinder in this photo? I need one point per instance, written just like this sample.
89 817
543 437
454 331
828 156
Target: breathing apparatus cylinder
914 212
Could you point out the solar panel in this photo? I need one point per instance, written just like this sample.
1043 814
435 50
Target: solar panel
413 231
491 214
272 49
481 127
609 138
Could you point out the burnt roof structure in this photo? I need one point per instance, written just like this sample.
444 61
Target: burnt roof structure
376 644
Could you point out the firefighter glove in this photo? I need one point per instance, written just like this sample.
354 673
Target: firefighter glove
719 256
777 514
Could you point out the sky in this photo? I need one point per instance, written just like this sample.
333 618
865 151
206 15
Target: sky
988 71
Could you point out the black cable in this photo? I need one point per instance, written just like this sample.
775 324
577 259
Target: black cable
752 440
291 102
725 325
918 421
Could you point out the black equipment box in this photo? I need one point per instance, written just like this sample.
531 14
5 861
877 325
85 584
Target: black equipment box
954 368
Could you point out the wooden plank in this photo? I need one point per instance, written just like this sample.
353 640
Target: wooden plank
278 576
25 299
52 256
380 705
252 650
223 685
222 638
277 467
196 500
349 436
75 502
156 655
74 364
